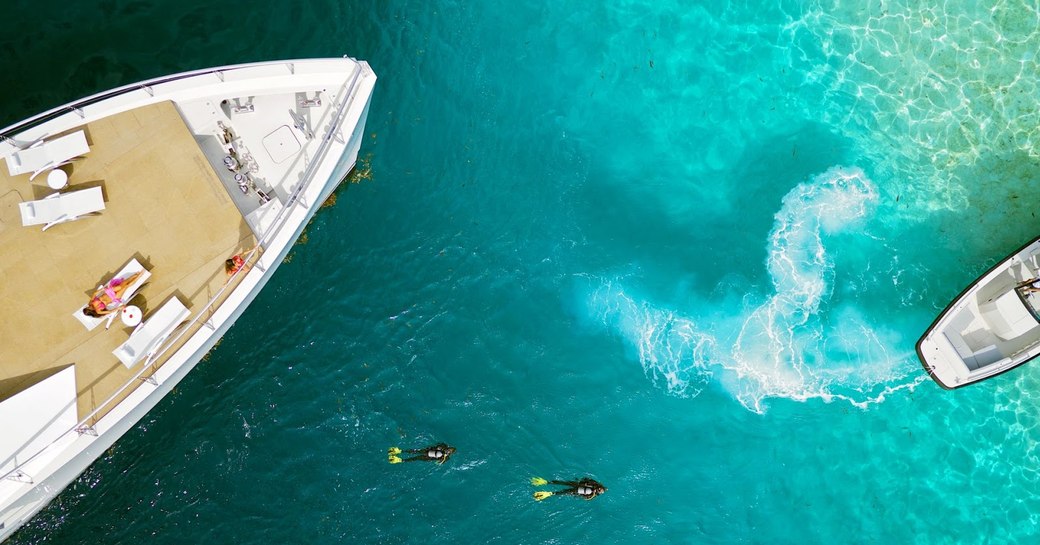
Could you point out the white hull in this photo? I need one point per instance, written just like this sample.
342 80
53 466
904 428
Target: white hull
990 328
42 476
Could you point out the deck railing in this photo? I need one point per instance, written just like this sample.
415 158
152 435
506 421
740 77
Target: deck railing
348 93
8 133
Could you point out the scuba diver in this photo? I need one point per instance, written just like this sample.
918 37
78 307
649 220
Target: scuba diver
584 488
436 453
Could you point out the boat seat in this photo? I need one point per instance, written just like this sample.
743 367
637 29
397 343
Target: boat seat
978 339
151 334
1007 316
130 268
45 155
62 207
985 356
961 322
959 345
954 333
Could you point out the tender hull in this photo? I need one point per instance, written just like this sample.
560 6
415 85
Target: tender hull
990 328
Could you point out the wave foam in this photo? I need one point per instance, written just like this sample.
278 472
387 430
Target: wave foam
784 346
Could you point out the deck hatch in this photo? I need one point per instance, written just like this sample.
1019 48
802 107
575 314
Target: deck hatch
281 144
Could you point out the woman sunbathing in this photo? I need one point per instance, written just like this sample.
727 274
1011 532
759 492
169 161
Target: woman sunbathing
108 298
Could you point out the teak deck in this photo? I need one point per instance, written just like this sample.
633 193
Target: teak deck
164 205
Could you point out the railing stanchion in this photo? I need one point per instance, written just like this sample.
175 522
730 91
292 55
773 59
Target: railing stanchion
82 428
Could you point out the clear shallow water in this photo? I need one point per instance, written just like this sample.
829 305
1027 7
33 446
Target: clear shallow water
684 249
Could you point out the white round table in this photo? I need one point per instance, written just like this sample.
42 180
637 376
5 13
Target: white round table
130 315
57 179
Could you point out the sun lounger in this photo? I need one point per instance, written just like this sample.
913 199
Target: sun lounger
147 338
47 154
130 268
62 207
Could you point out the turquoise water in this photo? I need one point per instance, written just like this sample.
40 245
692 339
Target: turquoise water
685 249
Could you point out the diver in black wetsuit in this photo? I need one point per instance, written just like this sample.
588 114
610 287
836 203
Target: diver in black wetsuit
584 488
436 453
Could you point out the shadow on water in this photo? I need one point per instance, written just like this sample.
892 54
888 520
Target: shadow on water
640 228
1003 192
1001 215
799 155
929 262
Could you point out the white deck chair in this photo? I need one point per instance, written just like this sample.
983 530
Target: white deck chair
133 266
145 340
62 207
48 154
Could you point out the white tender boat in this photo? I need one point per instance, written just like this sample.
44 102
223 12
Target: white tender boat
991 327
138 197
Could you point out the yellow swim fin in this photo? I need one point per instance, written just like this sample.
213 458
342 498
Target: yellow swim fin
394 459
393 450
541 495
538 481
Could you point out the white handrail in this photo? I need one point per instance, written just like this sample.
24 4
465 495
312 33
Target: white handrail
348 94
280 218
6 132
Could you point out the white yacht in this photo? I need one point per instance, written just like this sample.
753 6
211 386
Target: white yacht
991 327
165 207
